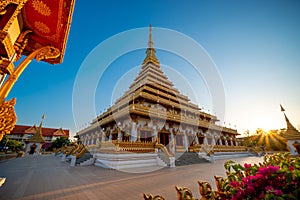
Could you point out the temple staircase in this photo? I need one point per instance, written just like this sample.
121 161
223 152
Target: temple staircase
188 158
88 162
86 156
163 157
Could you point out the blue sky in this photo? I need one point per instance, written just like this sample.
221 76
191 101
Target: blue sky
254 44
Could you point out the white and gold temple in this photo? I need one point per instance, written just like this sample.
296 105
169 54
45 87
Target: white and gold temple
154 114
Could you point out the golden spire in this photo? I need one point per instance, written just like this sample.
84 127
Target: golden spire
150 42
150 52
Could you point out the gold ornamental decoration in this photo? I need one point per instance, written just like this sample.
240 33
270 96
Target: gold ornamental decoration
8 117
43 28
41 7
44 53
4 3
151 197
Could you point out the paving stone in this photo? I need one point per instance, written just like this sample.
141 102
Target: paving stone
46 177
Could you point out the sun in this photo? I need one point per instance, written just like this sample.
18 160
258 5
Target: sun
268 140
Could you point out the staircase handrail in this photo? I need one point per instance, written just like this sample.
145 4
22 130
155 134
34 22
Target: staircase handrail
164 149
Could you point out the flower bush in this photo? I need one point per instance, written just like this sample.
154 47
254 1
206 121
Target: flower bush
278 177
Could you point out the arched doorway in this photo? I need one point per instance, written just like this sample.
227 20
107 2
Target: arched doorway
164 138
32 149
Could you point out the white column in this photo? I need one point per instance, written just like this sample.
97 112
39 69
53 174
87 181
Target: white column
110 135
205 139
95 138
90 139
196 139
213 140
102 136
133 132
120 135
186 142
155 134
236 143
172 142
220 141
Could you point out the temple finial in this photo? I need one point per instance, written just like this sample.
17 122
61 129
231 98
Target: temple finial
281 108
150 42
150 52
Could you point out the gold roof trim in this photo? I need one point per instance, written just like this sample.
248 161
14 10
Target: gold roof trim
32 129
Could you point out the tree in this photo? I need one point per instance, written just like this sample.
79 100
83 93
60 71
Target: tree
59 142
10 144
14 145
269 140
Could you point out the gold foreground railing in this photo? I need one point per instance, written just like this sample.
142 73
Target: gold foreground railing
205 190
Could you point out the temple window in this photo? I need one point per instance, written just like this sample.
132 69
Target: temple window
145 136
179 140
201 139
209 140
234 143
114 136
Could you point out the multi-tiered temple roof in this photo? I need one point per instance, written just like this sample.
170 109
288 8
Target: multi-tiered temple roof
152 85
291 132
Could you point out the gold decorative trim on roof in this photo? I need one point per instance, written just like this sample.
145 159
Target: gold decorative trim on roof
60 131
32 129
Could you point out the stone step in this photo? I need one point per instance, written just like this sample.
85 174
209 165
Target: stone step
126 160
84 157
88 162
163 157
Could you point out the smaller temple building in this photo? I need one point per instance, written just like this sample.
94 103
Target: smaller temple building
292 135
24 133
35 143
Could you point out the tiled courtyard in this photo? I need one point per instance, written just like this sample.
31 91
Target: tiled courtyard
46 177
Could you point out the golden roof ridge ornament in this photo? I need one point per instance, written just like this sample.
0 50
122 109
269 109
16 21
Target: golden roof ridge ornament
38 136
150 52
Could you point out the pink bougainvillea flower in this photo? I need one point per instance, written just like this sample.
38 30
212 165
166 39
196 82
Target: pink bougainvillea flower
247 166
278 192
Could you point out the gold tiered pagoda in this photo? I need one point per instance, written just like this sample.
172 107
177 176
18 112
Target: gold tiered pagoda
292 135
153 111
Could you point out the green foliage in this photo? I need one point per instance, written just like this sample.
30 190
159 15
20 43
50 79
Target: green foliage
13 145
278 177
59 142
4 140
